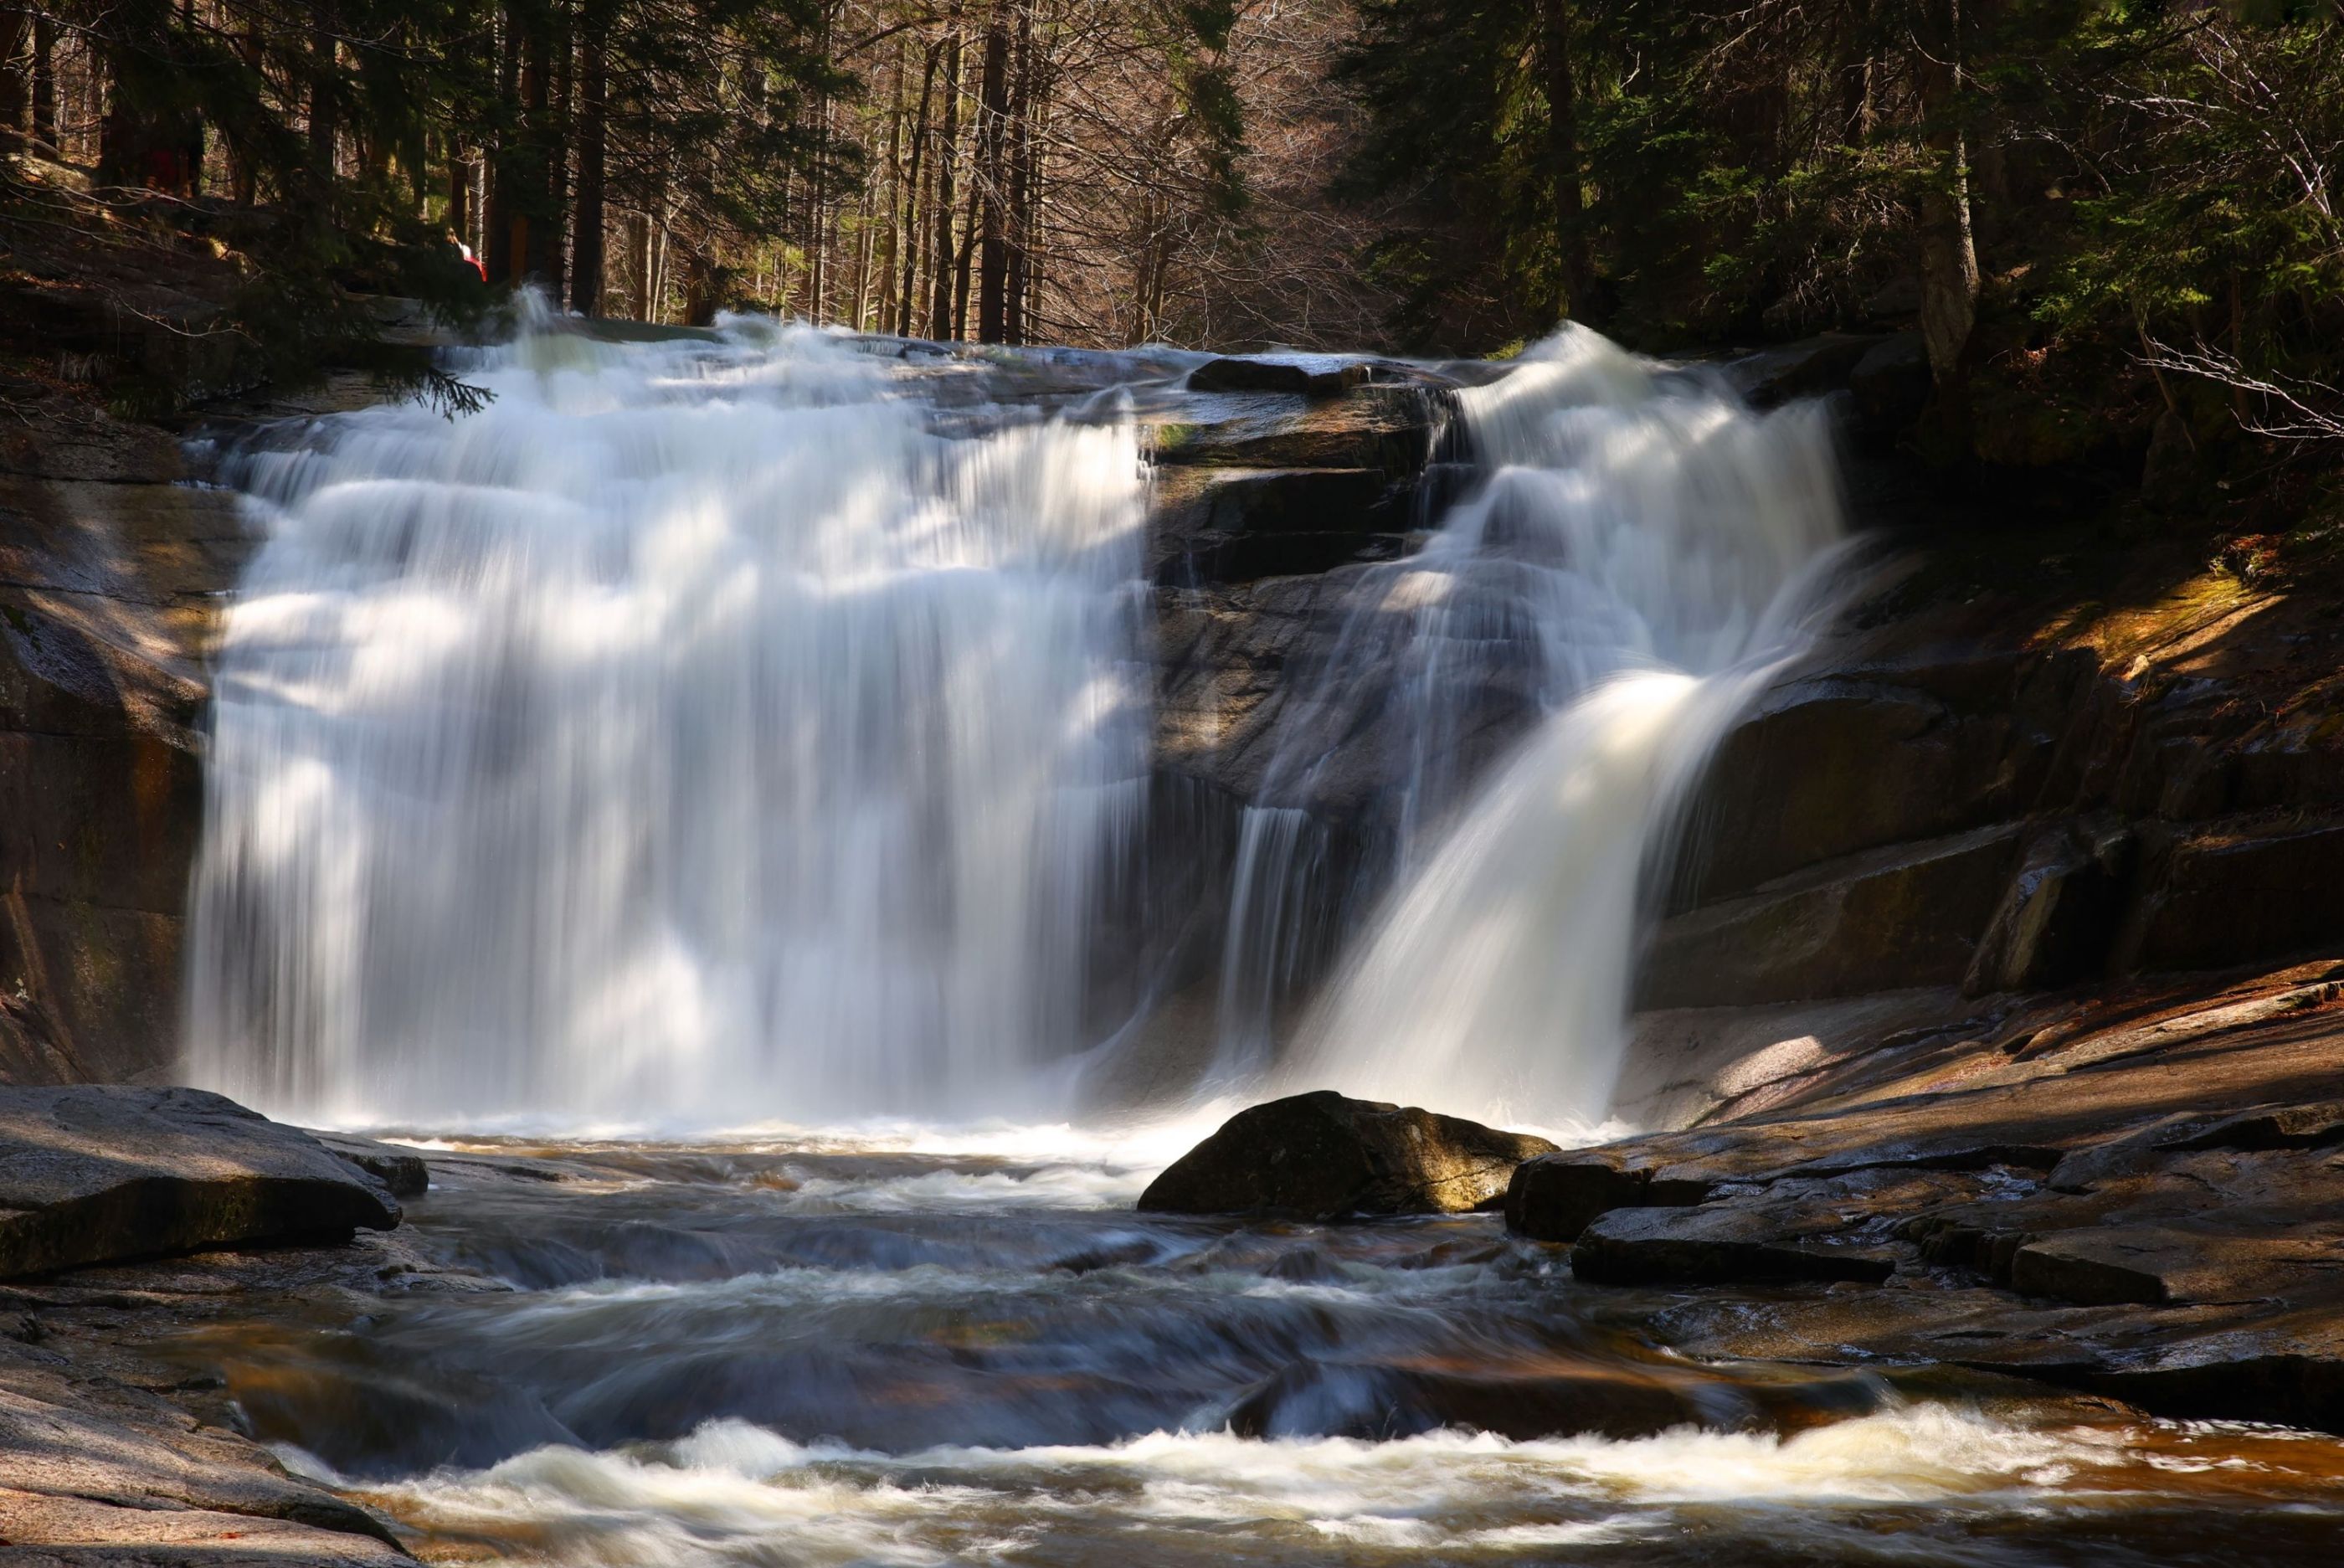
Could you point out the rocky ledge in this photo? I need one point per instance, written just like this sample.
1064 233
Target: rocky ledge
2138 1193
99 1462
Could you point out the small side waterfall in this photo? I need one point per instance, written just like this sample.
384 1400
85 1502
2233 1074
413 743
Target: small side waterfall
1642 532
710 733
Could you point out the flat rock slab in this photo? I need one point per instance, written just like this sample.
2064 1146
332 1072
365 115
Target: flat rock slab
1322 1156
1804 1229
92 1469
2156 1265
401 1170
95 1174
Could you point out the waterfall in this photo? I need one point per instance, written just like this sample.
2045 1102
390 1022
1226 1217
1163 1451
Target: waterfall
712 731
1639 538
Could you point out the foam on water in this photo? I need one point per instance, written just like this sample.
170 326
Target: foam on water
731 1492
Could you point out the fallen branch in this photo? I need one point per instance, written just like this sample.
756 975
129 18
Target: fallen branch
2308 411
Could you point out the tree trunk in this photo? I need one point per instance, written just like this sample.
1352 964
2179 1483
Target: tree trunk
13 105
1021 182
1575 266
535 242
460 193
1949 267
885 258
244 167
324 105
594 133
940 297
907 306
961 263
505 225
992 185
45 85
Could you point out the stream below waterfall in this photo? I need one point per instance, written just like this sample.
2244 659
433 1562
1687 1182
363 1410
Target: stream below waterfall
864 1349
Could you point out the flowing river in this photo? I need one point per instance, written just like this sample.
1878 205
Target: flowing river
755 732
863 1349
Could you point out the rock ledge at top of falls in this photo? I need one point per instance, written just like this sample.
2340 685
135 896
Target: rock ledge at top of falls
1321 1156
99 1174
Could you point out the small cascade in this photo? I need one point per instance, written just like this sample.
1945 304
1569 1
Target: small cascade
700 732
1625 568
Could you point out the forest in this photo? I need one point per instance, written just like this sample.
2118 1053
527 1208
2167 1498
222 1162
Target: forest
2085 204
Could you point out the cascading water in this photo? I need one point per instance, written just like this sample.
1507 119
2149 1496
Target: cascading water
1636 529
700 732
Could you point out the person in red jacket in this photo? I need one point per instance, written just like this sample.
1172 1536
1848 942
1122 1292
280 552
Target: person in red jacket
464 253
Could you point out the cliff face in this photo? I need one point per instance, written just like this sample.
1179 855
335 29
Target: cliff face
109 569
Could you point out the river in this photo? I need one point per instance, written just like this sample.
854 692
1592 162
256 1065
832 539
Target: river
902 1346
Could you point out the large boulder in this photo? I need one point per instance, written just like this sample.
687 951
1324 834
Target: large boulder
1323 1157
94 1174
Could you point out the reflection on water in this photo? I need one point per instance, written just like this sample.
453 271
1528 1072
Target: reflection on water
823 1351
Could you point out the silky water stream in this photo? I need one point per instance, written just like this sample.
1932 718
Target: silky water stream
709 733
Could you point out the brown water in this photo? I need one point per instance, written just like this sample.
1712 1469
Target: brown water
836 1350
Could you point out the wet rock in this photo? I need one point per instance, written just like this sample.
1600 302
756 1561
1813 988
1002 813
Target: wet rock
96 1471
108 578
2158 1265
1321 1156
1892 384
2234 891
401 1170
1831 766
2312 1126
1688 1066
1828 1229
1219 525
1555 1197
1907 916
92 1174
1805 369
1311 375
1388 428
2287 1368
1554 1397
2056 921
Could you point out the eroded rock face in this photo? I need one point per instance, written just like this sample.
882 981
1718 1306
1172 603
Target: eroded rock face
1322 1156
400 1170
93 1173
107 569
1906 915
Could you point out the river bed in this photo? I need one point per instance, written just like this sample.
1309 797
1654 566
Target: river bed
896 1346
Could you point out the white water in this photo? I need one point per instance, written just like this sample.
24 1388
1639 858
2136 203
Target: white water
713 734
1647 534
732 1491
695 734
